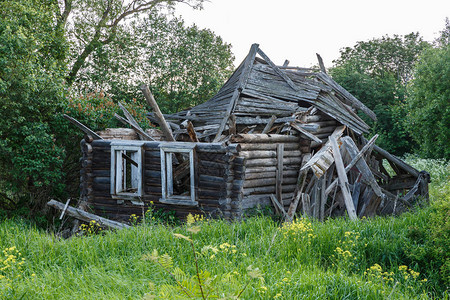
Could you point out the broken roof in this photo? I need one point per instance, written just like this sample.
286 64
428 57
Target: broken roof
258 88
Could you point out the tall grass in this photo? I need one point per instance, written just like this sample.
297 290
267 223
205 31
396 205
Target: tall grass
337 259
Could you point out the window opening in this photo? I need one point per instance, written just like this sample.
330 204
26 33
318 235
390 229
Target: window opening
178 174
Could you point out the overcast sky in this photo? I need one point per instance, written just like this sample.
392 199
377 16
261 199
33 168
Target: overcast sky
296 30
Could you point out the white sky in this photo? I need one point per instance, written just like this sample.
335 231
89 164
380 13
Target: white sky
297 30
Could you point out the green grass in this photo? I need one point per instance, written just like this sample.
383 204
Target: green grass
297 263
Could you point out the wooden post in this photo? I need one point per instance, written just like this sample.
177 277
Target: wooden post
279 172
85 216
162 122
343 180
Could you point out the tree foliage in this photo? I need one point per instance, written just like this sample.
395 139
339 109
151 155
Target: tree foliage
377 72
185 65
428 106
92 24
31 91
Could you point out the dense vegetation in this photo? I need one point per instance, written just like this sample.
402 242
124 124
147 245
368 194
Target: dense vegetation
404 257
86 56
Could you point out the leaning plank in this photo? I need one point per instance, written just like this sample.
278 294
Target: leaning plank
306 133
191 132
321 64
138 129
85 216
161 121
397 161
343 180
269 124
133 121
362 166
83 127
353 162
277 204
277 70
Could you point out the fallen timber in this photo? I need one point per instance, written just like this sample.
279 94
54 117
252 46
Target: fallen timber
281 136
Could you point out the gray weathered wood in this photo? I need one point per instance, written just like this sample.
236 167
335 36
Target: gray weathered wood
138 129
362 166
277 70
321 64
278 205
279 171
85 216
161 120
305 132
397 161
136 125
353 162
269 124
343 180
83 127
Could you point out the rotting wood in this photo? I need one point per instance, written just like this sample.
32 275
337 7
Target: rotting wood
138 129
343 180
161 120
353 162
279 171
191 132
321 64
305 132
83 127
269 124
87 217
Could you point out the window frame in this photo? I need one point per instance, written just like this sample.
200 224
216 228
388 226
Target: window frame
166 151
117 171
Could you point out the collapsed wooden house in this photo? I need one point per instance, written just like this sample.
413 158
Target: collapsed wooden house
282 136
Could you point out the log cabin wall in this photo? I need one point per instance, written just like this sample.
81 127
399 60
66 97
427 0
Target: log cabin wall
218 174
262 157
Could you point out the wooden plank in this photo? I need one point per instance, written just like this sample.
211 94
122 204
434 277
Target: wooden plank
133 121
279 171
83 127
321 64
306 133
343 180
353 162
191 132
278 205
85 216
269 124
298 191
161 121
397 161
362 166
138 129
323 197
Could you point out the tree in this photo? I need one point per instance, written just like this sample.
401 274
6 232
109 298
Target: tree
184 72
91 24
377 72
31 90
428 105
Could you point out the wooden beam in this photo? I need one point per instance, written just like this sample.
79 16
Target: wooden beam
277 70
299 189
277 204
321 64
286 63
269 124
138 129
306 133
85 216
343 180
83 127
191 132
353 162
362 166
161 121
397 161
279 172
133 121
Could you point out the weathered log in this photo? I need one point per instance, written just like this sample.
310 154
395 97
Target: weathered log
269 124
83 127
353 162
272 161
268 154
305 132
264 138
161 121
343 179
268 147
85 216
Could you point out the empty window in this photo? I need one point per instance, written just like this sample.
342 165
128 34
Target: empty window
126 171
178 173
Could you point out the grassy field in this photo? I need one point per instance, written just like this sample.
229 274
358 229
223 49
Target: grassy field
381 258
